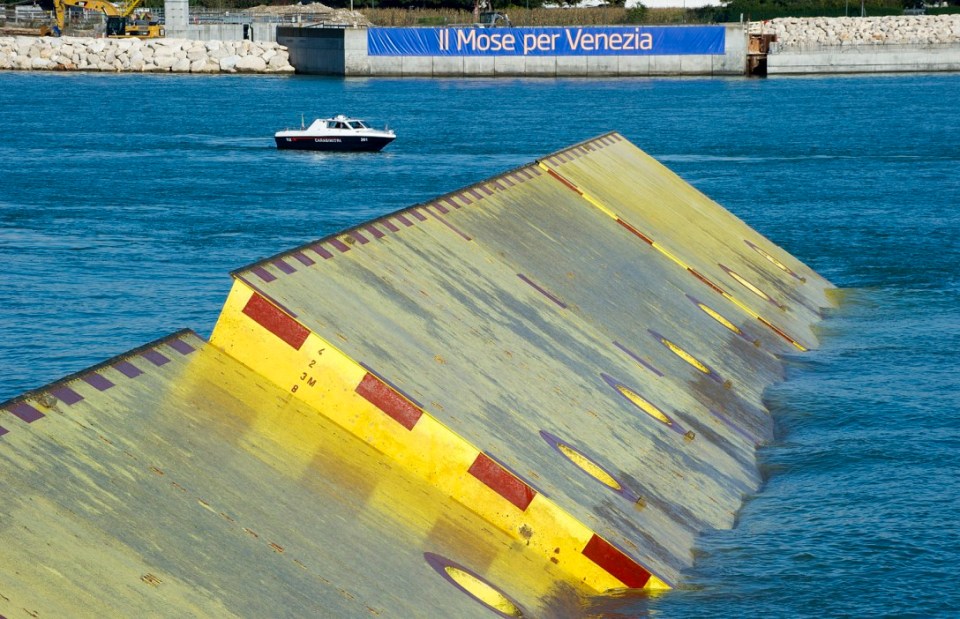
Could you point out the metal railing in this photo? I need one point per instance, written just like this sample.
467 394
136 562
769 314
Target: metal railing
862 48
210 16
34 16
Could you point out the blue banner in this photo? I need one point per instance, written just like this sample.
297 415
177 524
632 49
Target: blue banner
556 41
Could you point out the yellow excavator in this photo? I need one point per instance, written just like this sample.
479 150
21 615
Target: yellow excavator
120 20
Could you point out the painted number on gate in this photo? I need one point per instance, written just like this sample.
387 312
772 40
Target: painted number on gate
306 379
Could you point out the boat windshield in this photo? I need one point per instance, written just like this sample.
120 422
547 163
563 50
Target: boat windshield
357 124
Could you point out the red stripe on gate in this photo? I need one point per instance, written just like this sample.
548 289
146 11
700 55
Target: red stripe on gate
643 237
705 280
502 481
275 321
381 395
564 181
778 331
619 565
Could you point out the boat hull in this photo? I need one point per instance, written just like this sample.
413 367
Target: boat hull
327 143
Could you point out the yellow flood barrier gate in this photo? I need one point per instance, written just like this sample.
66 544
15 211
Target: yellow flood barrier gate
533 390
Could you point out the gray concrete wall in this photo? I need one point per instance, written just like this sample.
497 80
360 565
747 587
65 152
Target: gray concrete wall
346 53
262 32
320 51
175 14
734 59
355 59
177 25
864 59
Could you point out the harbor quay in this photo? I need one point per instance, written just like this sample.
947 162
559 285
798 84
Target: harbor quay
782 46
889 44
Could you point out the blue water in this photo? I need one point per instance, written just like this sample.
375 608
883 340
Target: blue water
125 200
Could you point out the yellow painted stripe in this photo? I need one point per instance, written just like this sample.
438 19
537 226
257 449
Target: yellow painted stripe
588 466
685 355
719 318
644 405
746 284
323 376
483 592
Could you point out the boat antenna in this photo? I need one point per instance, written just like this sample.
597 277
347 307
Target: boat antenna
302 122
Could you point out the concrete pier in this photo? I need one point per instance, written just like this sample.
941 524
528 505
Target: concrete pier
779 47
815 45
891 44
345 51
864 59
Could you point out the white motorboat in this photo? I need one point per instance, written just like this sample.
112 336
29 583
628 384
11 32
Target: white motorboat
337 133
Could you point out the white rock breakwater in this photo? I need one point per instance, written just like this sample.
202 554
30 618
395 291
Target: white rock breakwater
794 32
136 55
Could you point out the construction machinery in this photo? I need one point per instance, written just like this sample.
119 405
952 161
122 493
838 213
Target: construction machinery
121 22
485 17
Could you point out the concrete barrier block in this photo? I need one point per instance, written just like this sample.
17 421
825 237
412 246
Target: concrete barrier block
357 64
665 65
417 66
729 65
477 66
509 65
385 65
448 66
857 60
541 66
572 65
696 65
603 66
634 65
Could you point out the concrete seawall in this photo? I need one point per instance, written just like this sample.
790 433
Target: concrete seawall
134 55
798 46
863 59
344 51
891 44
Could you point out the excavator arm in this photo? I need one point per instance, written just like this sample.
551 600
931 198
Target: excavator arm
59 8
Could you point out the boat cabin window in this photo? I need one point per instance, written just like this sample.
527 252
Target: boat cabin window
336 125
356 124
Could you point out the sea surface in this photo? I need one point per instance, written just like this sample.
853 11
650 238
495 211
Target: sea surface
126 200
